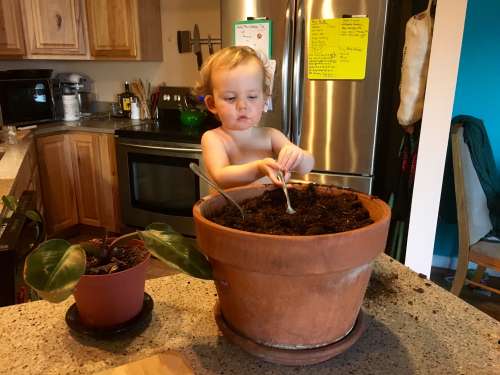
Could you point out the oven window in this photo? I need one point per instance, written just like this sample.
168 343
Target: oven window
25 100
163 184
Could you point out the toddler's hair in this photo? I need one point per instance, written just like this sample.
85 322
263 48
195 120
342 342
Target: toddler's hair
229 58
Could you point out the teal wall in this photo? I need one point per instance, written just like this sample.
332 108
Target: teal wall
478 83
478 89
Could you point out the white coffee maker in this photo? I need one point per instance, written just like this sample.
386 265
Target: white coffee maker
80 86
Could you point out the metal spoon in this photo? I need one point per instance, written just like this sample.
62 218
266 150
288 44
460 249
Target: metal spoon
289 209
196 170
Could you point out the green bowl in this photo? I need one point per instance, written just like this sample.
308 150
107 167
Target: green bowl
192 117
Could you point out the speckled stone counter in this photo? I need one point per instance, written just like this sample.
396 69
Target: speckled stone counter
14 154
415 327
11 161
102 124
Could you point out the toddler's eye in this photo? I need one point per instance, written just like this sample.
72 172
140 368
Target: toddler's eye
252 97
229 99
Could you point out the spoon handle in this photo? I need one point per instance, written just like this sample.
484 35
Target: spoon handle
290 210
196 170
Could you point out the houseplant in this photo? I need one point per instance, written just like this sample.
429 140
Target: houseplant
56 269
290 299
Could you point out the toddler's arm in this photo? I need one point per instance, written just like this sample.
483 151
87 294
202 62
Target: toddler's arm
290 157
226 175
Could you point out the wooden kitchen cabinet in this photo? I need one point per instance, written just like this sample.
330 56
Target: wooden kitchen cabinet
87 179
125 29
11 29
54 27
57 180
84 151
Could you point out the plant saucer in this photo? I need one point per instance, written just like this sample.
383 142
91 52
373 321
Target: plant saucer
131 328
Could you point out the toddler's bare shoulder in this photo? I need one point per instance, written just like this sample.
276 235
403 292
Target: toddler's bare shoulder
211 134
211 137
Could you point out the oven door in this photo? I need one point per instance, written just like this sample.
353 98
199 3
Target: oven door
156 184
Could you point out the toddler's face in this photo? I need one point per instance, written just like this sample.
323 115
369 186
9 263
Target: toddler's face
238 96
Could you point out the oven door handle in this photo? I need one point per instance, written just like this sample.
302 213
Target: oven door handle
163 148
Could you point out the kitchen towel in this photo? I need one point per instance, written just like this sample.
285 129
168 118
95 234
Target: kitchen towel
416 51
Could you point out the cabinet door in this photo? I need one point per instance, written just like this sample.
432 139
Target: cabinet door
56 175
85 155
54 27
110 199
112 26
11 31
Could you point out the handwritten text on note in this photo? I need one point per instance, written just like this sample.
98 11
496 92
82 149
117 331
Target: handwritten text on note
337 48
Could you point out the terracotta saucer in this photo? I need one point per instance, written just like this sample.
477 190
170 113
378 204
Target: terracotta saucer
292 357
128 329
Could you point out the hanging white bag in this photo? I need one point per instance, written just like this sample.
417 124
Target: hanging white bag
417 48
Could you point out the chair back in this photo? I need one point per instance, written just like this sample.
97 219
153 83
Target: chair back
472 210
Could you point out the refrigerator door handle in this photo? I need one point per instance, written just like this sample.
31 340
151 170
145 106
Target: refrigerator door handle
286 96
298 74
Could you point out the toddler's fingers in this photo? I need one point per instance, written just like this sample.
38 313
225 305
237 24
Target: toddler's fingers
274 179
270 163
283 160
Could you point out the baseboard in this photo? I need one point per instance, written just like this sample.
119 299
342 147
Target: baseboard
442 261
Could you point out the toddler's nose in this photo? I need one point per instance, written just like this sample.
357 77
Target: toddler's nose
241 104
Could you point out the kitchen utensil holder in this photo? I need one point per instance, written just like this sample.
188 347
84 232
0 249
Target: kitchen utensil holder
185 42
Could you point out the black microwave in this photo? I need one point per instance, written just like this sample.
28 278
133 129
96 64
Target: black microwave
27 97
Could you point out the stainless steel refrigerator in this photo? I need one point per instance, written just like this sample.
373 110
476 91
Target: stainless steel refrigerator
336 120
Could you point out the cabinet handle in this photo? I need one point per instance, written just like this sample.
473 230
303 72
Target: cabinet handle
58 20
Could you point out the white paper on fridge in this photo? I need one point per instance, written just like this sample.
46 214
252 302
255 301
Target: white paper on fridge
254 33
270 70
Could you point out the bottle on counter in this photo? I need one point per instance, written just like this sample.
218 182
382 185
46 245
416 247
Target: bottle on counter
135 111
125 99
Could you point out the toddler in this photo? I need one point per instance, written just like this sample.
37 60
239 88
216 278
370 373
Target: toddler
235 84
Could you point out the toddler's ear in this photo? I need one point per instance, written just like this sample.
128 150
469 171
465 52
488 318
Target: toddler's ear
210 103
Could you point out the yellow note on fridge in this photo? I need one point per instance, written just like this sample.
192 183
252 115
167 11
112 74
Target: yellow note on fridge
337 48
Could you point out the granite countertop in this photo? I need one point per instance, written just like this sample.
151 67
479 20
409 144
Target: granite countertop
96 124
14 154
11 161
415 327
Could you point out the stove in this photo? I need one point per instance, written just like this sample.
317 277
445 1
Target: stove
168 127
166 130
156 183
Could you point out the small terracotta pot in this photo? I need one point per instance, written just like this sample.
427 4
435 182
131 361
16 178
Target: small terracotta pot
108 300
290 292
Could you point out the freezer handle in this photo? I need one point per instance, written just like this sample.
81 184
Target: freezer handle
285 69
298 74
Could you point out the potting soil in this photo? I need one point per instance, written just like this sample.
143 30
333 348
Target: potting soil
114 259
317 213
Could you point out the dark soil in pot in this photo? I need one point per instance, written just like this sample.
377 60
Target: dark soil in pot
114 259
316 213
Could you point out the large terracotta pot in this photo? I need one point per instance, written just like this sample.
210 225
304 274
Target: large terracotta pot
290 292
109 300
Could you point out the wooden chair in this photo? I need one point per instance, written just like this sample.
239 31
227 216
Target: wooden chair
484 253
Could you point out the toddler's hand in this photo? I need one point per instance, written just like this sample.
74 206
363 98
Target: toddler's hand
269 167
289 157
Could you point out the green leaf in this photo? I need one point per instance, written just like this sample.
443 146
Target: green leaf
54 268
175 250
10 201
33 215
162 227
